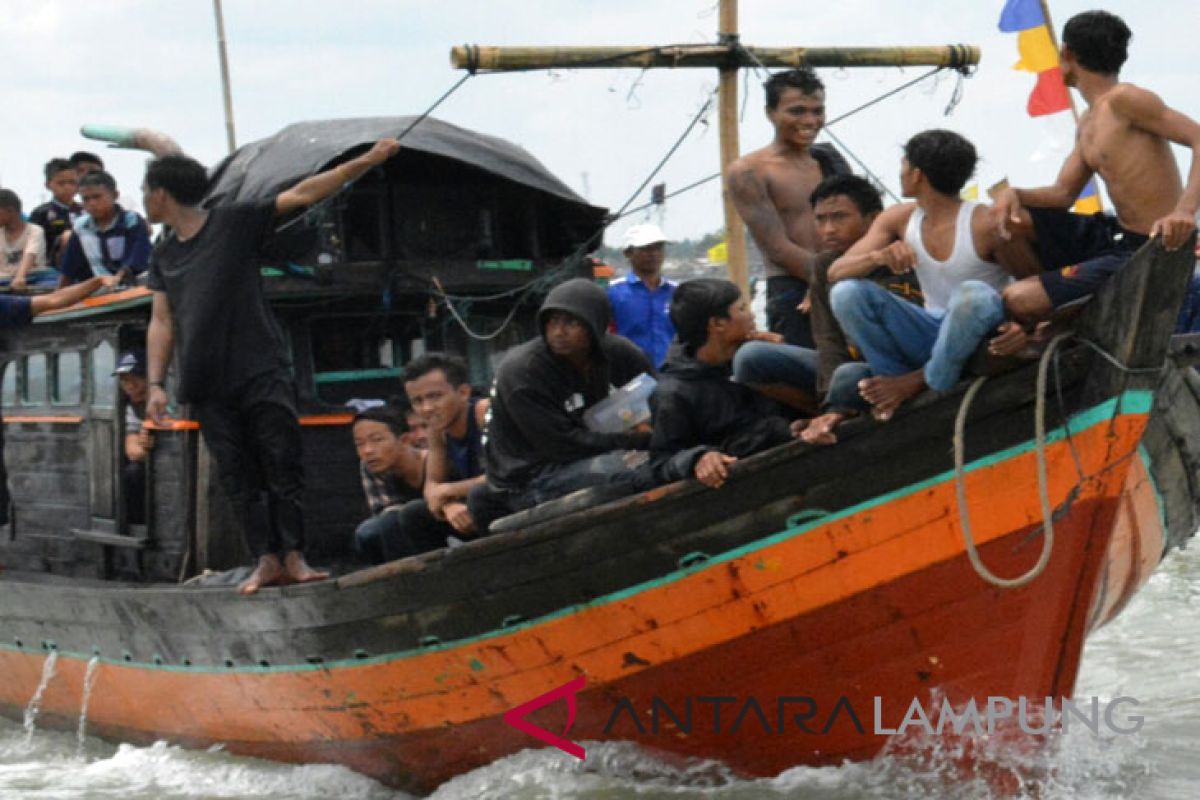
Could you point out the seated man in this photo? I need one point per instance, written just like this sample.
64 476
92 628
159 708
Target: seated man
844 206
1125 138
438 389
537 445
56 216
949 243
22 245
107 239
392 472
139 440
703 420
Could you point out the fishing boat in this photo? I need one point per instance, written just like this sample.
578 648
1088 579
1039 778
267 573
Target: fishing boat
963 550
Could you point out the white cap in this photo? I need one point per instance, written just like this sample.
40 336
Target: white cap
642 235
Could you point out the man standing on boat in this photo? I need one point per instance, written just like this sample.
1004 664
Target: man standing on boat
1125 137
771 189
950 244
233 365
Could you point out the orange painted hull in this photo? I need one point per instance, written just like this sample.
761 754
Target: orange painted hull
878 601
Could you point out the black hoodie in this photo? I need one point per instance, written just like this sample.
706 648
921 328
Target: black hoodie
698 408
538 398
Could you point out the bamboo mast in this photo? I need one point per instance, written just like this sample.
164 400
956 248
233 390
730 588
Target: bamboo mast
226 92
728 56
727 103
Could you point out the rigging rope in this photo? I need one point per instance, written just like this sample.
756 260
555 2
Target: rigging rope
320 207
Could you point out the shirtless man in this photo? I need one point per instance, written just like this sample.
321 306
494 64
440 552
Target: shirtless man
771 188
1124 136
951 244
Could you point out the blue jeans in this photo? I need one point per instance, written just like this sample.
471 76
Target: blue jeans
370 535
766 363
898 337
843 396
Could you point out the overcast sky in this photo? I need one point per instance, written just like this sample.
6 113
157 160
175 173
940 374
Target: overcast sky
154 63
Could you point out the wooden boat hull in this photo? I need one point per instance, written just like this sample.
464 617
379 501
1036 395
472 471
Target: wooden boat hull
876 601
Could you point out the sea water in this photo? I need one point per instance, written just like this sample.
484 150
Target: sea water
1151 653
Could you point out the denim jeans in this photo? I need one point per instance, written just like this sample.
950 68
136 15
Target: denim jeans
843 396
898 337
766 363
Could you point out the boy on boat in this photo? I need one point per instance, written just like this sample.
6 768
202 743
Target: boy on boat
392 470
950 244
107 240
233 366
22 244
771 188
1124 137
440 392
704 421
56 216
537 445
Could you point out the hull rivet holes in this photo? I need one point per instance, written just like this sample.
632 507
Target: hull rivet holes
360 653
511 620
314 659
430 641
187 662
18 643
229 663
48 644
128 656
262 662
158 660
96 650
692 559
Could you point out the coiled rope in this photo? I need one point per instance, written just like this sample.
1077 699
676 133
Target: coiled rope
960 486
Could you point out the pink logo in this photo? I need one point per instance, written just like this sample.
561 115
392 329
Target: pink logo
516 717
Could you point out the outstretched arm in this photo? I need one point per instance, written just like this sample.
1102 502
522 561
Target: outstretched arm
319 186
754 206
64 297
1071 179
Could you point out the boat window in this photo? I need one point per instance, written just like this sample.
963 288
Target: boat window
104 383
35 380
8 388
68 379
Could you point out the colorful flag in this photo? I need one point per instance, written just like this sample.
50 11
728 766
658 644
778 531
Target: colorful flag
1089 200
1035 42
718 253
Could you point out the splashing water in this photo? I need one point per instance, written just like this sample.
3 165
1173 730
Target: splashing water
89 680
35 702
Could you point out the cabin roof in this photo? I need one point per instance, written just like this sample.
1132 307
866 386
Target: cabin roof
265 167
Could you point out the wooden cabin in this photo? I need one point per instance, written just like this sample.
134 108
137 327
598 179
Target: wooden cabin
359 287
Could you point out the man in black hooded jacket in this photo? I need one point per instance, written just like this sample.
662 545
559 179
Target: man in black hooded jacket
536 444
703 420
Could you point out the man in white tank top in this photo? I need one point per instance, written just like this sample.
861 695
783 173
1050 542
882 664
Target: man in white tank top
950 244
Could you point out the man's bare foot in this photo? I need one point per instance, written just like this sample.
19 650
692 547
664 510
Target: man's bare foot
885 393
269 572
820 429
298 570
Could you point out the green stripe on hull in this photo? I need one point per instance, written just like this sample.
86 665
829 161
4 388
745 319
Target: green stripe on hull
1132 403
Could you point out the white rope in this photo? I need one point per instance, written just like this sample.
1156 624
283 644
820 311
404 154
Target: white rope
1039 422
